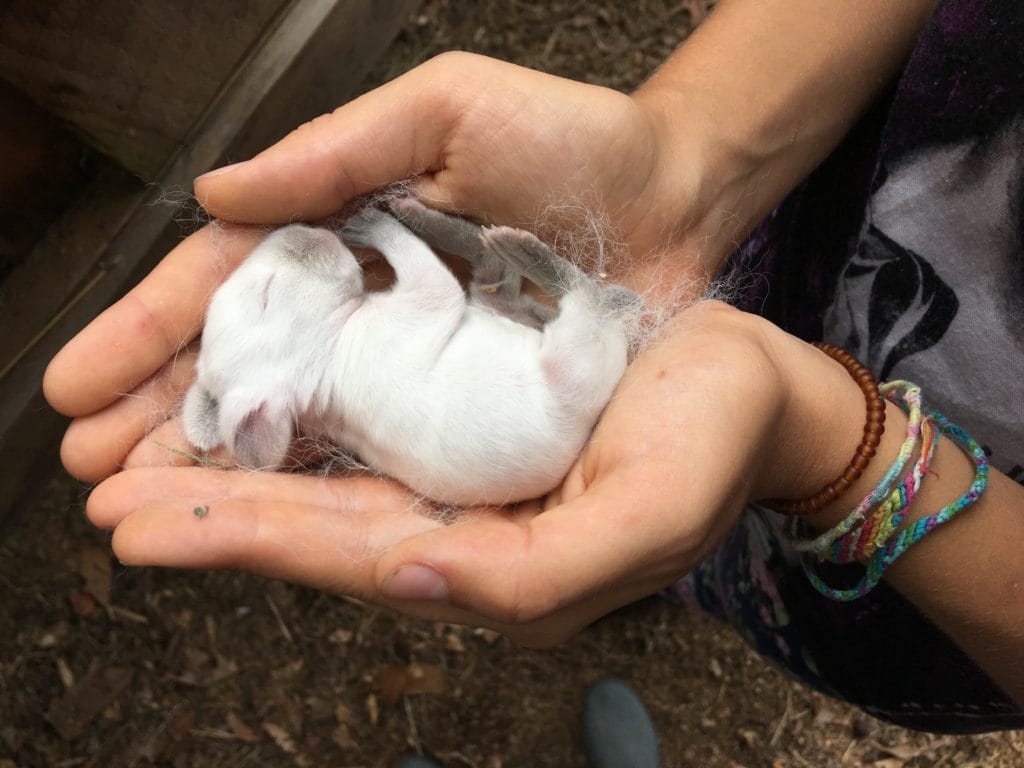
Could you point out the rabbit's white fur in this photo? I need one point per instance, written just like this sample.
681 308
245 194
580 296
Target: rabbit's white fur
461 404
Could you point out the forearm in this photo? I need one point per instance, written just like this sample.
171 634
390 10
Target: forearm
769 88
967 575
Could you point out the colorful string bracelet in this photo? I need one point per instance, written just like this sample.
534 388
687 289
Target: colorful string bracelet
861 543
908 396
898 544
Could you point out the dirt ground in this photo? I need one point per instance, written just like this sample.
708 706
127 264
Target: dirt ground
107 666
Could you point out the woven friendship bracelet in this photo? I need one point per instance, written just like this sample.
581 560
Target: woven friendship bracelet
898 544
908 397
861 543
874 426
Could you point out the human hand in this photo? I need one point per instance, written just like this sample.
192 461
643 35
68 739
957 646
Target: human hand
680 448
481 136
496 142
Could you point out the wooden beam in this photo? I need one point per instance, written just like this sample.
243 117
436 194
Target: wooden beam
131 78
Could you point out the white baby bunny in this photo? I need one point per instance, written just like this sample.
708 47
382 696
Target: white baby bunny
445 393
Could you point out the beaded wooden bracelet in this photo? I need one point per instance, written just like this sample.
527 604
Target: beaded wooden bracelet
874 426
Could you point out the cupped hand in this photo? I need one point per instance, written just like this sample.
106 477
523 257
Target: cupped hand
477 135
676 454
481 137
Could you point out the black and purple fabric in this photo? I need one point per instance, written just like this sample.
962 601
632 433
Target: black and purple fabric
906 247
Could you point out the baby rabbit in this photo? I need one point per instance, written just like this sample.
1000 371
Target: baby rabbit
449 395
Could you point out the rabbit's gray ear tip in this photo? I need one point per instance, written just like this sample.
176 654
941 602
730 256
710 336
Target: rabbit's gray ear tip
618 298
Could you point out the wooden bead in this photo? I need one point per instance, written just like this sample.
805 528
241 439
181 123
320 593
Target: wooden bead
851 474
874 428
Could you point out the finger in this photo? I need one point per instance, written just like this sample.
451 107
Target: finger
520 570
135 337
227 522
387 135
120 495
97 445
550 630
323 534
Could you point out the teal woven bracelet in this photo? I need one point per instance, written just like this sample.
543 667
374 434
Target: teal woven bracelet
903 541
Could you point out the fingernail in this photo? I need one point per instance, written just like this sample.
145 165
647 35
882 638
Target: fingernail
415 582
222 169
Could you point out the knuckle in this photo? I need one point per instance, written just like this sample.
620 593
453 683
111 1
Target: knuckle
455 61
323 122
525 605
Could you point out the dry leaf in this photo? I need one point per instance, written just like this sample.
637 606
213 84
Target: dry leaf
341 636
343 714
71 714
281 737
342 736
94 567
748 737
908 752
454 643
199 678
240 729
177 730
289 670
67 677
181 723
320 710
715 668
54 637
82 603
395 682
372 708
489 636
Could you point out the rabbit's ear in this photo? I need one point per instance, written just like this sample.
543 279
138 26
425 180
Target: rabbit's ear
261 437
201 418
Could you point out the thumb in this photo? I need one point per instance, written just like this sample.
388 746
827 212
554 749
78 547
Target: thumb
389 134
517 568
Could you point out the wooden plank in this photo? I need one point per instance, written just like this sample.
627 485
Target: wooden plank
131 77
135 233
336 60
42 170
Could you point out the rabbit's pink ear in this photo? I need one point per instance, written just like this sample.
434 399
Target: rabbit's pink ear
262 437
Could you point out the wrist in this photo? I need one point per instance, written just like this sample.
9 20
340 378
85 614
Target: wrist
759 96
699 195
822 422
